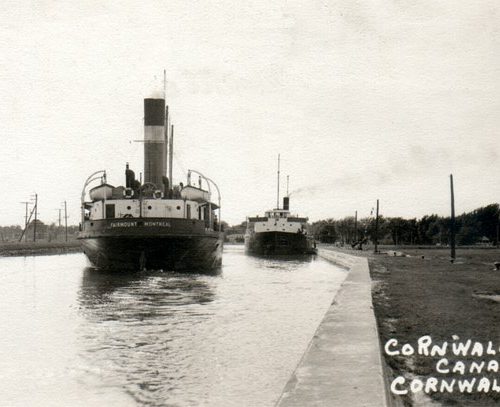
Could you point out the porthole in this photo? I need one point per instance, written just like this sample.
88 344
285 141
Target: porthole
150 207
129 207
178 208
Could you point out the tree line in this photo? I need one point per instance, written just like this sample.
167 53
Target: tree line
44 232
479 226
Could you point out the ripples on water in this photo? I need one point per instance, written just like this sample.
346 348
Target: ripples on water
156 339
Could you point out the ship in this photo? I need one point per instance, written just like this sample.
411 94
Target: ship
152 224
278 232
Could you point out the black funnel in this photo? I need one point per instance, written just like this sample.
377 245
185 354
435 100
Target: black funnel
286 203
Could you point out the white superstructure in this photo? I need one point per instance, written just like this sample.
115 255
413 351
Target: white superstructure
147 208
277 220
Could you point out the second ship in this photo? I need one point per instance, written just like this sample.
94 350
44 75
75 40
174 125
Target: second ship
278 232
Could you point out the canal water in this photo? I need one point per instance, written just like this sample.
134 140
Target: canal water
71 335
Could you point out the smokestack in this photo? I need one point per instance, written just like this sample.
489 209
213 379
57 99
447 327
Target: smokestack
286 203
154 141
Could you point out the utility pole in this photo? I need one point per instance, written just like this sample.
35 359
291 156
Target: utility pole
376 230
498 229
355 226
65 220
59 223
27 223
25 218
34 222
452 226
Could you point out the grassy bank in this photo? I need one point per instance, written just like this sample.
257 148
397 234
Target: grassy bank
426 294
38 248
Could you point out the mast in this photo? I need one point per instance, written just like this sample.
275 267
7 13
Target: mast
165 126
171 154
278 198
165 84
166 140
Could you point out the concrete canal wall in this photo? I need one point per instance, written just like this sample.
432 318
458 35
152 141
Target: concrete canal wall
343 364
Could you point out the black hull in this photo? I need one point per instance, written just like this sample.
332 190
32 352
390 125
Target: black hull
278 243
181 248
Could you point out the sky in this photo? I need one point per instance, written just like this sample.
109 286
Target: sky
364 100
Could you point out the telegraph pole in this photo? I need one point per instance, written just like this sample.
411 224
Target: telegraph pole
59 223
34 222
452 226
376 230
498 230
355 226
65 220
25 218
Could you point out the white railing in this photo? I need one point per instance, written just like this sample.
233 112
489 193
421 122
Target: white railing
91 178
209 181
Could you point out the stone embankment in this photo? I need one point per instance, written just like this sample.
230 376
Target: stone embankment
342 365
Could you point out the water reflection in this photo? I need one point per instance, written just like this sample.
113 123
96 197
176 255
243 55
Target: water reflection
153 288
287 263
190 339
128 340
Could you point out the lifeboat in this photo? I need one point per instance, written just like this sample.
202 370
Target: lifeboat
103 191
195 194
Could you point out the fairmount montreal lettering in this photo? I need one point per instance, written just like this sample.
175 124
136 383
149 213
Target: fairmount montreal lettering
134 224
123 224
157 223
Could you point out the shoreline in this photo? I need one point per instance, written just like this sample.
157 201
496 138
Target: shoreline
21 249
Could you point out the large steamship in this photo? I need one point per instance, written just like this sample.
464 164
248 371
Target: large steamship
152 224
278 232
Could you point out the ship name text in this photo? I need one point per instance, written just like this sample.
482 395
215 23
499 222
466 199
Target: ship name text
135 224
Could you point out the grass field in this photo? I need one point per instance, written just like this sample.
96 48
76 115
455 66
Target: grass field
424 293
